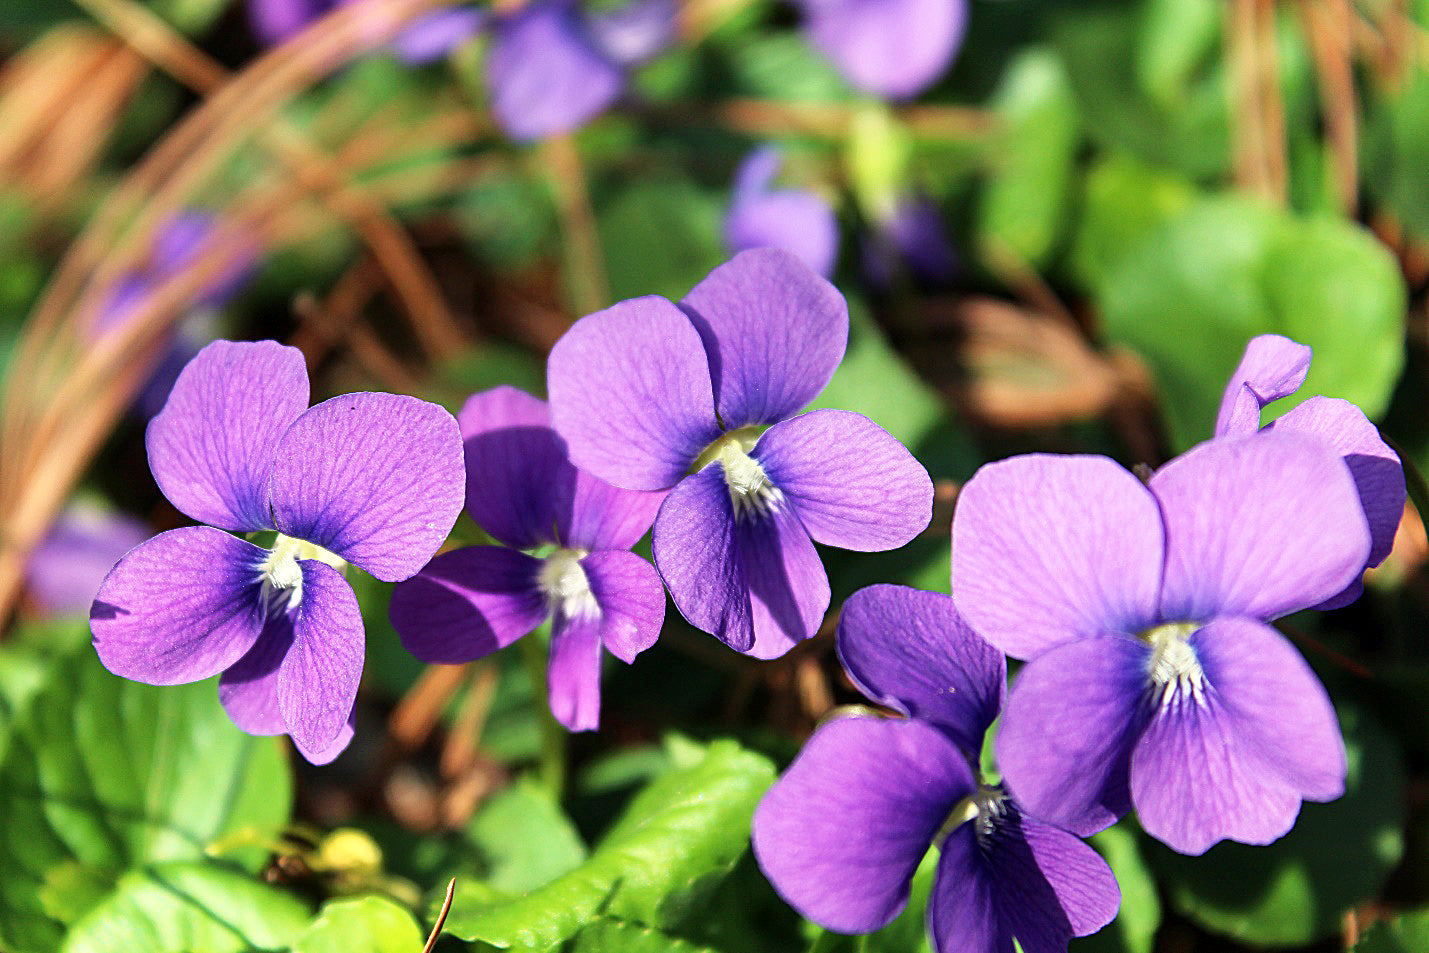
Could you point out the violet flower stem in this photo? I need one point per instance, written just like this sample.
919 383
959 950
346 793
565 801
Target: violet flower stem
534 655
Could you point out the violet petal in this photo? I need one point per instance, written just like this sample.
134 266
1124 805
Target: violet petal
317 679
1272 367
1071 719
249 687
65 570
910 650
1050 885
467 603
631 600
894 48
376 478
435 35
796 220
179 608
573 676
840 834
276 21
962 914
1050 548
774 332
1257 526
211 448
631 394
519 485
634 32
852 483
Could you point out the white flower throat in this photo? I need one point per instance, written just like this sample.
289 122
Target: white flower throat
567 587
750 490
282 577
1174 668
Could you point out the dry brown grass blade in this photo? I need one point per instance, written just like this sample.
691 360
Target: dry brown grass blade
1328 26
587 289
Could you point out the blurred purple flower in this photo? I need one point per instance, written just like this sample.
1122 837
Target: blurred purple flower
842 832
913 237
651 395
894 48
1273 367
523 490
238 448
796 220
553 66
66 568
1154 678
428 38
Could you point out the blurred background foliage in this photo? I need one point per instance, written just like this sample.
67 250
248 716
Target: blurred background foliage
1130 189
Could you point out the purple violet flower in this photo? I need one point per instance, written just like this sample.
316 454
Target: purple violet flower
1154 678
371 479
1274 367
523 490
796 220
913 237
553 66
64 571
425 39
650 395
842 832
894 48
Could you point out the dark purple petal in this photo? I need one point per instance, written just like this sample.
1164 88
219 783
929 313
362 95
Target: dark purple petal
1278 707
962 914
212 446
179 608
1050 548
635 32
631 600
894 48
606 517
64 571
1257 526
183 240
249 687
317 679
545 75
851 482
336 747
774 332
840 834
1072 717
631 396
376 478
1272 367
468 603
275 21
1375 468
916 233
518 481
1050 886
910 650
435 35
796 220
573 677
755 583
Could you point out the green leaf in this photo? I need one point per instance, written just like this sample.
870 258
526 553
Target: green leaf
102 775
362 925
782 67
1397 149
1126 200
525 838
678 837
616 936
1408 933
1295 891
1134 929
1028 196
194 907
661 237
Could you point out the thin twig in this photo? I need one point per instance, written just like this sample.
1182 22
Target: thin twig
441 917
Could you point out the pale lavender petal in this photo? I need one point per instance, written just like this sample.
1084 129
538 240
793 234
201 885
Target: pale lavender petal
211 448
852 484
545 75
179 608
518 481
635 32
1272 367
433 36
631 600
275 21
840 834
1051 548
796 220
631 395
1072 717
910 650
893 48
1375 468
376 478
1276 706
774 332
64 571
1050 886
1258 526
336 747
468 603
317 679
962 914
249 687
573 677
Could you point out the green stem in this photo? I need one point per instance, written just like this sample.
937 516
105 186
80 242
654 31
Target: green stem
553 733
